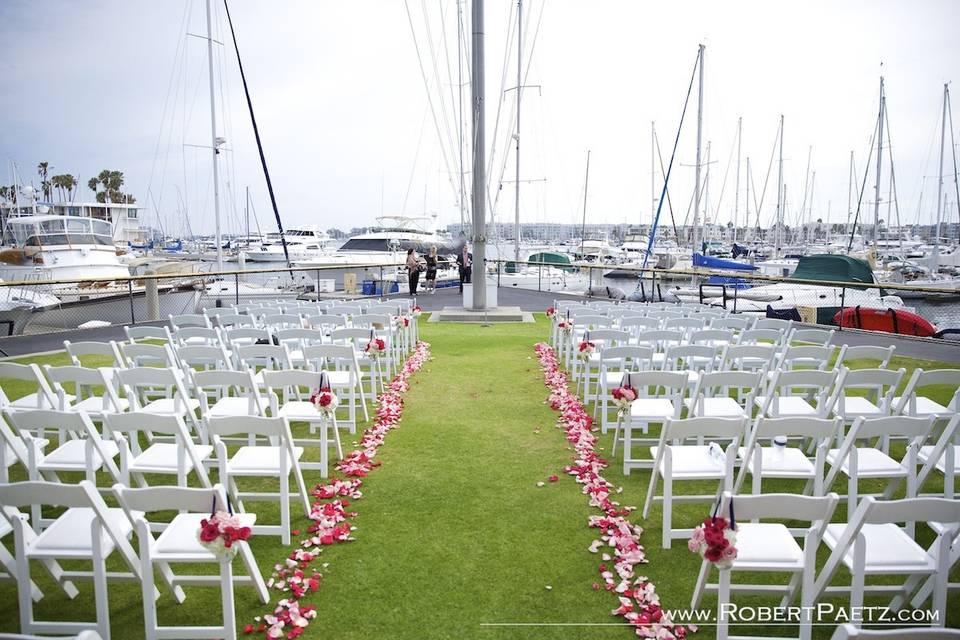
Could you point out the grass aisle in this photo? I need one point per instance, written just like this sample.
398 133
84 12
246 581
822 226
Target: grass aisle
453 531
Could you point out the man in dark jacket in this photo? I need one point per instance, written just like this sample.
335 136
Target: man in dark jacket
465 266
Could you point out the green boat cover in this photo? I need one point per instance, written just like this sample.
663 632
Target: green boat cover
560 260
833 268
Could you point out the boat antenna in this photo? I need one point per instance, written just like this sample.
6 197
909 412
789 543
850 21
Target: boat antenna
673 155
953 148
256 134
583 228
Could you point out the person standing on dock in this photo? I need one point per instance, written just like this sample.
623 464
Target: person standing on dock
431 284
413 270
465 264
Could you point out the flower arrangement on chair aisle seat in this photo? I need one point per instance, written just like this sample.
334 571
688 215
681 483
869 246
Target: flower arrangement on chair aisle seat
623 397
716 540
415 311
401 322
375 347
565 326
220 531
551 312
586 349
326 401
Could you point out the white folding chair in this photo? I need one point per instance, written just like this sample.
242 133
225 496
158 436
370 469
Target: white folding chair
750 357
586 370
912 403
179 457
713 337
9 564
228 393
196 336
245 335
278 459
872 462
675 460
296 340
86 385
944 456
148 355
204 358
770 547
693 359
782 462
160 392
873 544
80 448
821 337
42 398
88 530
807 356
260 357
147 332
289 395
879 386
804 393
178 544
358 338
189 320
614 363
339 361
659 396
105 354
785 326
871 353
724 394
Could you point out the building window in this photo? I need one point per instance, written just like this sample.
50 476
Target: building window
132 213
73 211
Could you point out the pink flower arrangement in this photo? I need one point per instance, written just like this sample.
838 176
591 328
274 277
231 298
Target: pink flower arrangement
623 397
716 542
375 347
220 531
415 311
565 326
637 596
401 322
586 349
551 312
295 577
325 401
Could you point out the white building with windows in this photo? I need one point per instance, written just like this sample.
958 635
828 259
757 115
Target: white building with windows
124 218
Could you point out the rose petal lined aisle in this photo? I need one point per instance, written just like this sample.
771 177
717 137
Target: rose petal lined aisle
639 602
297 576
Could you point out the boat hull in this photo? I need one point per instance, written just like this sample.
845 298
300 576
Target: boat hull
897 321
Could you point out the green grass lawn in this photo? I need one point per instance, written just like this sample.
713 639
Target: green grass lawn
452 533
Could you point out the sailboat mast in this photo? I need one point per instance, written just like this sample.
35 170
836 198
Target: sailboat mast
516 204
583 228
736 191
746 196
479 162
850 191
696 178
778 232
936 229
213 141
876 185
463 216
246 213
653 172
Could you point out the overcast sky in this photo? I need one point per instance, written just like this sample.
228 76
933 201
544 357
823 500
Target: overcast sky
348 132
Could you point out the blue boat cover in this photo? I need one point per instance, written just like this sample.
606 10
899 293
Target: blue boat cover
700 260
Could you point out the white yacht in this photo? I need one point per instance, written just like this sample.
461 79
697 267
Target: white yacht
303 243
385 244
57 252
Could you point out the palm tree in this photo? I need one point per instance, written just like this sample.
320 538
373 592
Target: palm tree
43 169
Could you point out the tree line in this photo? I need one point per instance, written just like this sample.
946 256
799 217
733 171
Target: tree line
106 186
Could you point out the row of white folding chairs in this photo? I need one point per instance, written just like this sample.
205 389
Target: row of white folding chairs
214 394
89 530
132 445
615 352
869 543
662 395
689 450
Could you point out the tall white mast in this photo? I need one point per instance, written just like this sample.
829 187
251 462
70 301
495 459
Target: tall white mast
736 191
936 229
516 136
876 186
653 172
463 189
213 141
696 178
778 232
850 193
479 163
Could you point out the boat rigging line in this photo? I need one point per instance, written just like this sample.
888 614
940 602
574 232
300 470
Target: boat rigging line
256 133
673 155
